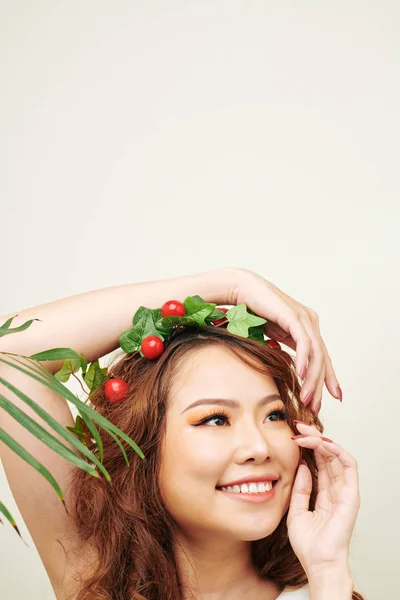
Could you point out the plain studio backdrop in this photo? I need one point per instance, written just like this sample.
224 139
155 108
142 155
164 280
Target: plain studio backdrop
147 140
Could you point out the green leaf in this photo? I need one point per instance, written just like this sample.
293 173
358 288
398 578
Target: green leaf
95 376
141 311
60 354
95 434
216 315
79 429
4 329
257 334
55 424
164 329
9 518
240 320
39 373
145 326
198 309
31 460
43 435
173 322
131 340
69 367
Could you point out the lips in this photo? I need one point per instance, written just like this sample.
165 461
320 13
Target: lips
250 478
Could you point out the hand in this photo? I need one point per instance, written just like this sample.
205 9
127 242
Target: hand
321 538
296 326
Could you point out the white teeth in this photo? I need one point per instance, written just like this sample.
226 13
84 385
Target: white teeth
251 488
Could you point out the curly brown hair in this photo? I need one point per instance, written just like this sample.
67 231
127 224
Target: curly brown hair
126 522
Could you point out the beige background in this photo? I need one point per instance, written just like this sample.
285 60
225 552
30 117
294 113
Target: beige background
144 140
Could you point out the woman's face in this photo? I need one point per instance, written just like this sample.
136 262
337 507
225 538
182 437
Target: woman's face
198 456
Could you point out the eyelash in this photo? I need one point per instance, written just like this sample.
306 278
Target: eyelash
224 415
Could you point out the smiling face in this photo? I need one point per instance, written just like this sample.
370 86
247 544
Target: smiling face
251 439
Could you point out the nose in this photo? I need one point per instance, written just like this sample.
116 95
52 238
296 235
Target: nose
251 444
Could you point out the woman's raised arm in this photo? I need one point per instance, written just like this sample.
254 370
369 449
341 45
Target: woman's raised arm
92 322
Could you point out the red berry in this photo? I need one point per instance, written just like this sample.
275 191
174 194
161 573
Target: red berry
173 308
223 320
115 390
273 344
152 347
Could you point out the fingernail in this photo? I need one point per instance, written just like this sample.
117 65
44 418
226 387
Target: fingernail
327 440
297 437
318 408
303 462
308 398
339 393
303 372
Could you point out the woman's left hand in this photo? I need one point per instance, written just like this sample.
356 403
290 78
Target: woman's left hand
321 538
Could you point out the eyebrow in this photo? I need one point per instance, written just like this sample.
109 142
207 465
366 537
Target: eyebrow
232 403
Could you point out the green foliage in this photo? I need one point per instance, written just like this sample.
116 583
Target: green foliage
5 328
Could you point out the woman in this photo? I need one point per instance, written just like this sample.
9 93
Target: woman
176 525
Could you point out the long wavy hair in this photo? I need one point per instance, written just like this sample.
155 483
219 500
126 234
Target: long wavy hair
125 522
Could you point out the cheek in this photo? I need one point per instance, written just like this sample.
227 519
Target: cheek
189 465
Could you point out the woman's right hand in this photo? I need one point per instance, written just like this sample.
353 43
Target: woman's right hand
296 326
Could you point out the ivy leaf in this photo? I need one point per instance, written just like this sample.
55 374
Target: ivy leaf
145 325
70 366
198 309
131 340
5 328
257 334
164 328
216 315
240 320
141 311
173 321
95 376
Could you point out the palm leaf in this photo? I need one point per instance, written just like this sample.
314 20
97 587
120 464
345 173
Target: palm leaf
10 518
44 436
31 460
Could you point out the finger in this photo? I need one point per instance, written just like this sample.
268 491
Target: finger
331 380
312 442
300 500
316 401
324 496
290 322
347 461
316 360
299 341
334 467
325 480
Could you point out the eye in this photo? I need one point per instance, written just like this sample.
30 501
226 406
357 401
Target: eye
282 414
223 416
214 416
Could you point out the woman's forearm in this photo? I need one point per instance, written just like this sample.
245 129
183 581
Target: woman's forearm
92 322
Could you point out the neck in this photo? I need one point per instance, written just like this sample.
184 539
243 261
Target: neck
213 569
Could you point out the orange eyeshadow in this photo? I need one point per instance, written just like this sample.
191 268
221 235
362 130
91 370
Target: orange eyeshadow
200 413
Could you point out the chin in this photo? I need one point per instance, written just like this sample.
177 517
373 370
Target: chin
252 534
